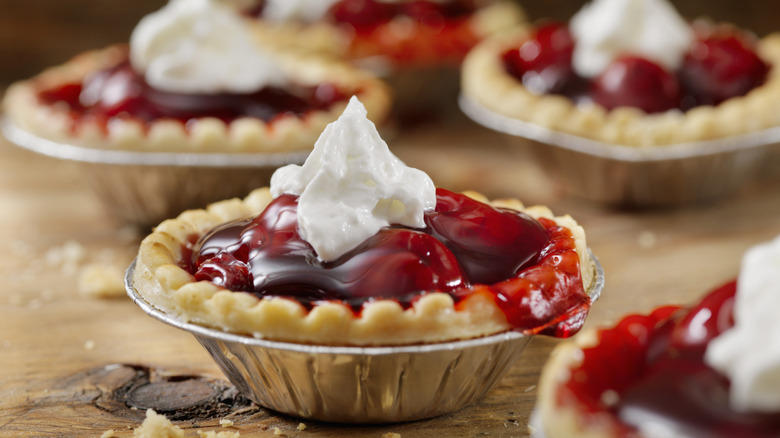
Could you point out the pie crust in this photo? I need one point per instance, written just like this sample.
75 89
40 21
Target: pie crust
160 280
55 122
329 39
561 418
485 80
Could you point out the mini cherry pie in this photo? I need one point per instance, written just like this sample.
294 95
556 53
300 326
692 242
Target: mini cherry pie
648 371
98 99
406 34
727 84
477 268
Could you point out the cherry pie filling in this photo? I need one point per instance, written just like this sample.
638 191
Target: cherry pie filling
720 64
651 368
120 91
415 31
528 267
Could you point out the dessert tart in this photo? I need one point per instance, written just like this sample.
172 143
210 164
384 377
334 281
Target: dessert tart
707 370
629 73
397 34
354 248
191 79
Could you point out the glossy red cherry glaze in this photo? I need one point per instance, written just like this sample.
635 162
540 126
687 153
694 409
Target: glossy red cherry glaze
717 67
430 32
544 61
529 267
636 82
654 368
720 67
121 92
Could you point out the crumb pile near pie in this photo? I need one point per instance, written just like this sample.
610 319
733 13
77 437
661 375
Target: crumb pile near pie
710 370
403 33
631 72
355 248
192 78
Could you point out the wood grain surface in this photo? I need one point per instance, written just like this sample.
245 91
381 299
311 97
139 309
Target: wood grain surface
66 358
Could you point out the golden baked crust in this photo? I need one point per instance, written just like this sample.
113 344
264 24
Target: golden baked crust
485 80
559 418
22 106
433 318
327 39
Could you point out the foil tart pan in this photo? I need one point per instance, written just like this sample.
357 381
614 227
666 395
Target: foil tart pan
145 188
639 177
358 384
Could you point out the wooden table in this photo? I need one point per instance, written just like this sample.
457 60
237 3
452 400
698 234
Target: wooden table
63 355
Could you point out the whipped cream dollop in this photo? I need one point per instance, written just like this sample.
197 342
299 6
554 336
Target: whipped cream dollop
606 29
749 352
351 186
201 46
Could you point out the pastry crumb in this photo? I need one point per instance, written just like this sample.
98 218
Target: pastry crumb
530 388
89 345
108 434
157 426
226 423
647 239
391 435
67 256
101 280
223 434
277 431
301 426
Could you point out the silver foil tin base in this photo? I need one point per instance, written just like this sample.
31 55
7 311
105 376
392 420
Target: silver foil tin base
145 188
629 176
358 384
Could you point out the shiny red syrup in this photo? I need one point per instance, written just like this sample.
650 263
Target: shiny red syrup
528 267
716 67
654 364
415 32
121 92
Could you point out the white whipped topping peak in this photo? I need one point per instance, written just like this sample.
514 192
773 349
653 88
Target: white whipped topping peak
606 29
351 186
749 352
201 46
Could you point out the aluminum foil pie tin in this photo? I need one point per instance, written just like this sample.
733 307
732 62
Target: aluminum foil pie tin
358 384
145 188
629 176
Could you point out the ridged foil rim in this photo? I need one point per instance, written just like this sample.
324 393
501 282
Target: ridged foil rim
594 294
27 140
520 128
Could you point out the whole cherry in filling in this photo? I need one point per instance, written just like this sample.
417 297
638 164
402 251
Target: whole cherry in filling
718 66
121 91
467 247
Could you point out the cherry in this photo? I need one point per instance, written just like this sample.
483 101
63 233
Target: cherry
226 271
543 63
636 82
397 262
720 67
491 244
361 14
113 92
